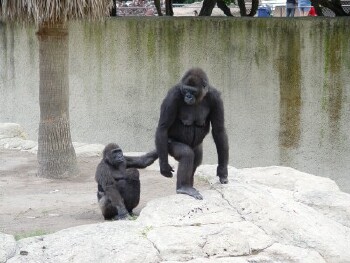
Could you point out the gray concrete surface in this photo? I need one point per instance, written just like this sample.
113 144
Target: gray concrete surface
285 85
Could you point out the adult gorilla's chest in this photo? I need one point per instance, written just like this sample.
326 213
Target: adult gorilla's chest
195 115
191 124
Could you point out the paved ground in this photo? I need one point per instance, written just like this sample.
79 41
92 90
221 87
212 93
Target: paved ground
31 205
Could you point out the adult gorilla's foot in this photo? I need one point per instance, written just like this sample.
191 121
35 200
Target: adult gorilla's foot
189 191
223 180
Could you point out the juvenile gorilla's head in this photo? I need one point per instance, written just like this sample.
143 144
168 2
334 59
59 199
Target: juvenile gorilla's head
195 85
113 154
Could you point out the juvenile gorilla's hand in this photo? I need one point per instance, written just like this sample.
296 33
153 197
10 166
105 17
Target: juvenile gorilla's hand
166 170
222 173
151 157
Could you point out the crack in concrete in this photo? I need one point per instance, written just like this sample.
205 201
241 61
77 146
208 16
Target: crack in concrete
242 217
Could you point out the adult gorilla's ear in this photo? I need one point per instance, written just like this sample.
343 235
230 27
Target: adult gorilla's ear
203 92
205 86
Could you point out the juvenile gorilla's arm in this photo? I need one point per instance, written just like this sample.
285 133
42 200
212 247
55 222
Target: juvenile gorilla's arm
103 176
219 134
141 161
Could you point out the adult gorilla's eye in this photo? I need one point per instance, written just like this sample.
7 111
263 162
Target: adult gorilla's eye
194 92
117 153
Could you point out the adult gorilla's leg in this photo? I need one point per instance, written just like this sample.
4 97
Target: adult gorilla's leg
198 157
185 156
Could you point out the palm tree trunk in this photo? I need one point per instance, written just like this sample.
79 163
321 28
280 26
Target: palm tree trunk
56 155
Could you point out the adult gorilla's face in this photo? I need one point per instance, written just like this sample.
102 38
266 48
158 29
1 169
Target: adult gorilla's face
190 94
194 86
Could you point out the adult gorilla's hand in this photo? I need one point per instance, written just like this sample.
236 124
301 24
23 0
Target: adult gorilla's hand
222 173
166 170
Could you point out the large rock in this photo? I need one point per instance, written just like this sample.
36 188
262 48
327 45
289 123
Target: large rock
106 242
11 130
12 136
7 247
88 150
271 214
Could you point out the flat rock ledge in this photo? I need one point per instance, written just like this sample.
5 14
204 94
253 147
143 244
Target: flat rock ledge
263 215
269 214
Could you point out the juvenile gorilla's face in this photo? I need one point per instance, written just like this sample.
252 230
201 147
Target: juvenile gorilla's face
113 154
194 86
117 156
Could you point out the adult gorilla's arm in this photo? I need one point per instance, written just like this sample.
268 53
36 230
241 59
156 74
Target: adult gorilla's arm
168 112
219 134
141 161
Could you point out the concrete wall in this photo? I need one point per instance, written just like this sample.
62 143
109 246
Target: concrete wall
285 84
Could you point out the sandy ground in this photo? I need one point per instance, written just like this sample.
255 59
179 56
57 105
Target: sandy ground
30 205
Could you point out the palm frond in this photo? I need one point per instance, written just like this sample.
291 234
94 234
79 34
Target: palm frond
39 11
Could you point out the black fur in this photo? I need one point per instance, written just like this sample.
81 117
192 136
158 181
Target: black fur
118 190
186 114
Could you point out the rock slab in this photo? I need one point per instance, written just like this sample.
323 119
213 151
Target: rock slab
267 214
264 214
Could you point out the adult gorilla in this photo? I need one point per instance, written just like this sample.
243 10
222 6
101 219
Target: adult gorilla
186 114
118 181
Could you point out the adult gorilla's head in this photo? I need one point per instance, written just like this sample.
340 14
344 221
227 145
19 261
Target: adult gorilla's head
195 85
113 154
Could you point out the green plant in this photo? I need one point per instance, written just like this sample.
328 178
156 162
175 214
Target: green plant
33 233
146 230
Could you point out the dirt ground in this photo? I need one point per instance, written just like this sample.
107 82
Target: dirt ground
30 205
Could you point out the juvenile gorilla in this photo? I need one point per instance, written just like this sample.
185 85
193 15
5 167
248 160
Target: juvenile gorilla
187 112
118 181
